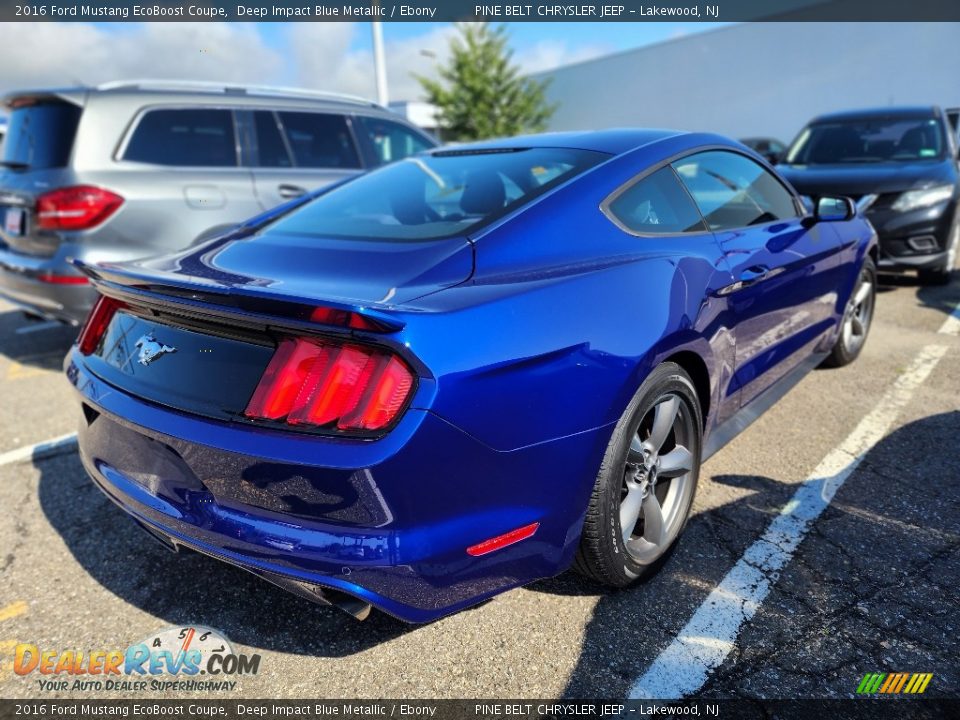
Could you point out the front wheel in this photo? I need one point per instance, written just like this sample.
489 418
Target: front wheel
857 318
941 275
645 487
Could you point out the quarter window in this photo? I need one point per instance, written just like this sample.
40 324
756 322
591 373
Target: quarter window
320 140
732 191
391 140
185 138
657 204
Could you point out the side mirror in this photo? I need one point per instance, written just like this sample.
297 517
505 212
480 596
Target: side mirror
834 209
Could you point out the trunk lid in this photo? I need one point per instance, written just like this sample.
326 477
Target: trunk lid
207 369
298 269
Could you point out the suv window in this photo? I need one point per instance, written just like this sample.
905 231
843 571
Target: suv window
391 140
186 138
271 150
732 191
40 135
320 140
657 204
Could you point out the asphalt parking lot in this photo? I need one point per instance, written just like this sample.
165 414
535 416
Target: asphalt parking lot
873 585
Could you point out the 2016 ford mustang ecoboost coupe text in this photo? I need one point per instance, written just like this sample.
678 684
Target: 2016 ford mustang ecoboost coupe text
467 370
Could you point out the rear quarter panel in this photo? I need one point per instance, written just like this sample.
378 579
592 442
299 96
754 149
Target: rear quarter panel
566 314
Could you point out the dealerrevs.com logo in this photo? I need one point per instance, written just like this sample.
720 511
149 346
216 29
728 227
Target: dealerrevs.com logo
192 658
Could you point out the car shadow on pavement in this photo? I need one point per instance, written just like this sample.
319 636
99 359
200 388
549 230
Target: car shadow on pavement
944 298
189 588
877 550
871 586
43 348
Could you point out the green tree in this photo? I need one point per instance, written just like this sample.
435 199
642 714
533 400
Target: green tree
480 93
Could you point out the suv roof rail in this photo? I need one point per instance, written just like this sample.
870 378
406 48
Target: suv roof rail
231 89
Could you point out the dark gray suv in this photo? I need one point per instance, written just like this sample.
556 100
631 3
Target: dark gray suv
132 169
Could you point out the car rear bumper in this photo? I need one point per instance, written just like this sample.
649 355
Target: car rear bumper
385 521
21 283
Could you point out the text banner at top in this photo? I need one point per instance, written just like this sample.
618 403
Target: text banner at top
457 10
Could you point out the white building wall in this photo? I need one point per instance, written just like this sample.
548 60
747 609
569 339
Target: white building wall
761 79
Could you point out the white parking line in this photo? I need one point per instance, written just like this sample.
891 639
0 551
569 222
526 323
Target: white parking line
706 640
951 326
57 445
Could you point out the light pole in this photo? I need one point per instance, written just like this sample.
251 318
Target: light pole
379 64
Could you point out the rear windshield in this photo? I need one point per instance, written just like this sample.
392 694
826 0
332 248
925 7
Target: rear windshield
40 136
427 197
893 139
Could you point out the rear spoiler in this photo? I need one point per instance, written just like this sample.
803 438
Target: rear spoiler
249 306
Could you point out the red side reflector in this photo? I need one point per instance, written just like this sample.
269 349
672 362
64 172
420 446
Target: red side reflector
502 541
101 315
63 279
76 208
329 383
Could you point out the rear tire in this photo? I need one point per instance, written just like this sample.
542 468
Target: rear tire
857 318
642 496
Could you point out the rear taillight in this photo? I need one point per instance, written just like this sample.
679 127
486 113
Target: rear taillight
322 383
98 320
76 208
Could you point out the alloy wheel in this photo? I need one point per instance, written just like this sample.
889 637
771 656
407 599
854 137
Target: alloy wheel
657 483
859 313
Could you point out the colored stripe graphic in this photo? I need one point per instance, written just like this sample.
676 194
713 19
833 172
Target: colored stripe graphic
894 683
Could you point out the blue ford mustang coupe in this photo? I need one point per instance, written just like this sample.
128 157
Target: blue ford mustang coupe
467 370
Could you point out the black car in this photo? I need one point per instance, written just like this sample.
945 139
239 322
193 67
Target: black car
771 148
900 166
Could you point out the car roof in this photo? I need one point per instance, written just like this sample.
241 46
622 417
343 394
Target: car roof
614 141
907 111
189 91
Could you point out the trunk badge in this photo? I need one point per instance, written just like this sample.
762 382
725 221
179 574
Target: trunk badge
150 349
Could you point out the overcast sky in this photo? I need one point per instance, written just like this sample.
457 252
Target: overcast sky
324 56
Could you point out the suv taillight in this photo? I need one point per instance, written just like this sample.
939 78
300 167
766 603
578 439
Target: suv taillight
347 387
76 208
98 319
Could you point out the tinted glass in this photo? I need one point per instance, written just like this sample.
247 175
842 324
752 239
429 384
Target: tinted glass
391 140
434 196
186 138
41 136
271 152
733 191
320 141
869 140
657 204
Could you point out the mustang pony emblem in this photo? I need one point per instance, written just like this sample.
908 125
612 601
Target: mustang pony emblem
150 349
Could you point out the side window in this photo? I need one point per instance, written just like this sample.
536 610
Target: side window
320 140
391 140
186 138
657 204
271 150
733 191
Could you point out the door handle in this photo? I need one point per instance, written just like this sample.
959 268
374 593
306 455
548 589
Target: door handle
754 274
288 192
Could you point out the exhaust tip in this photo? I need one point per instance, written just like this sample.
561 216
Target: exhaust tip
354 606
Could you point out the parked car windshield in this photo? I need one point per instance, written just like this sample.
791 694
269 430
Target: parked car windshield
902 139
427 197
40 135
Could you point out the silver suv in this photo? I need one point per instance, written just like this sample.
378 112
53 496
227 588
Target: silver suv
132 169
